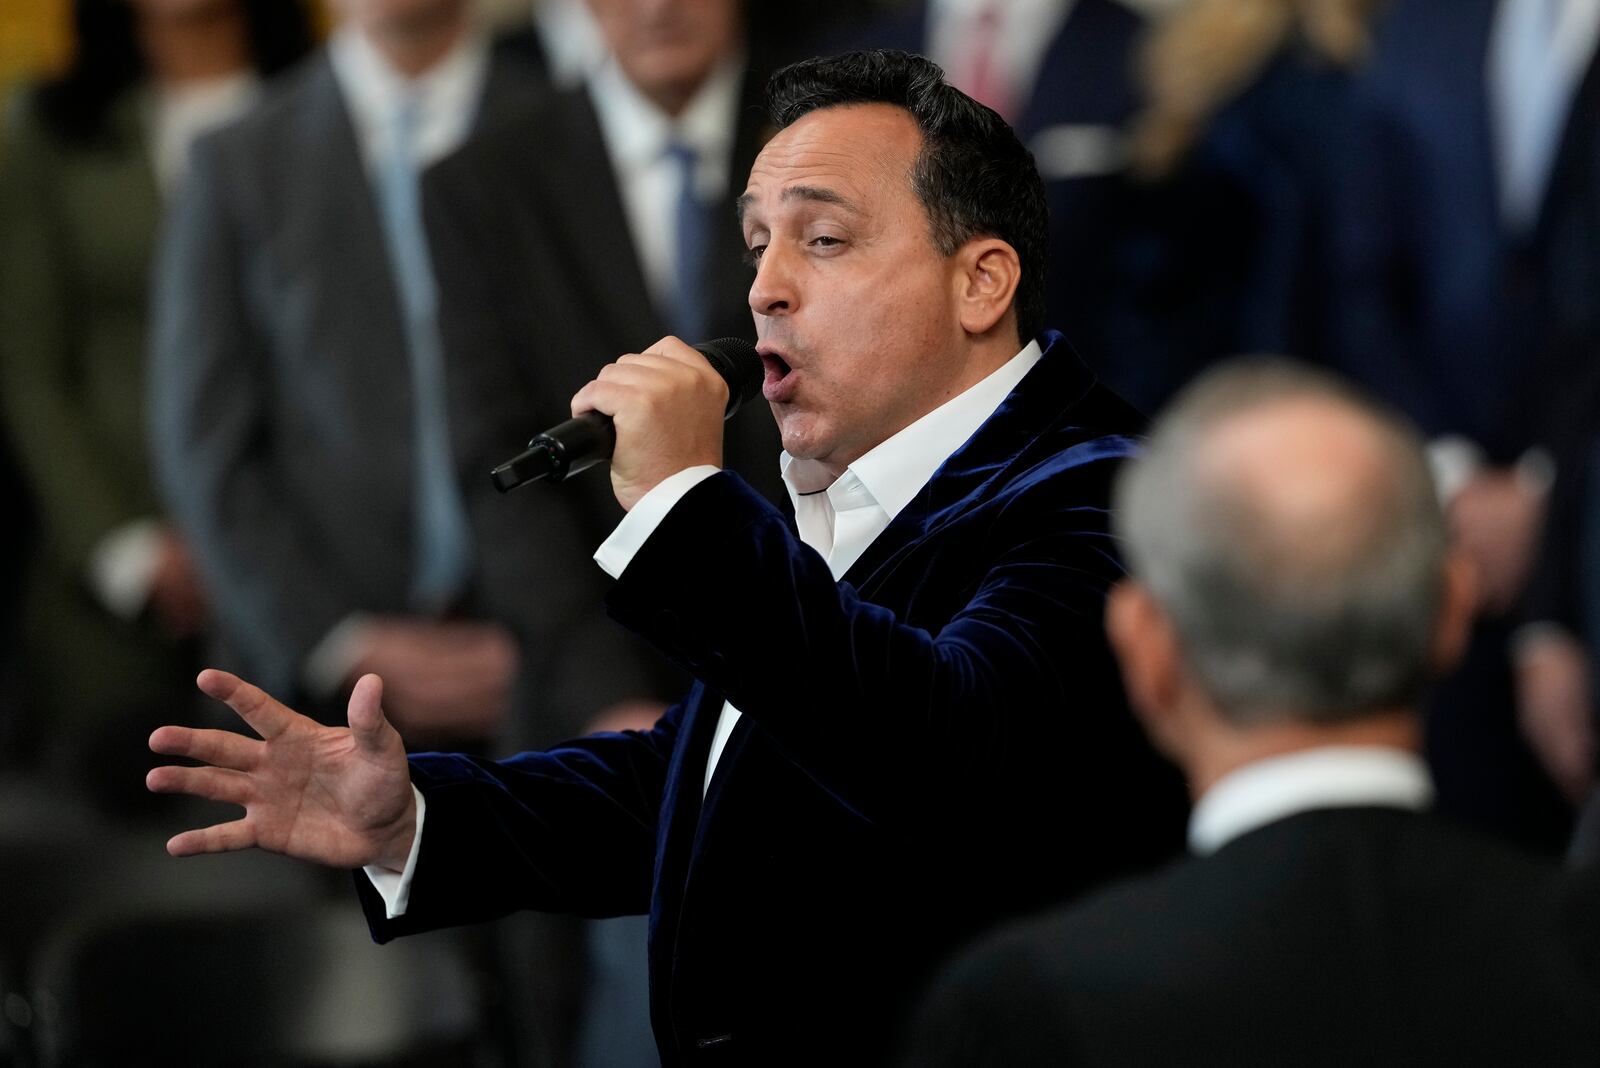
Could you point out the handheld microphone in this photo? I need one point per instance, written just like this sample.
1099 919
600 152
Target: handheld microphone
585 440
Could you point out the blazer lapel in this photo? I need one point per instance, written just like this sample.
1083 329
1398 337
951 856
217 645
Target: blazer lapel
1577 143
585 208
334 164
1044 395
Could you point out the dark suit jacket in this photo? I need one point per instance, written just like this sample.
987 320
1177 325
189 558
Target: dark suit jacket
78 221
1335 937
550 279
283 413
1442 313
1234 249
1566 584
1454 321
934 743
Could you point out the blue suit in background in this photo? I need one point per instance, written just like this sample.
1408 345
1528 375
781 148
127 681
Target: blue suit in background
1450 316
934 743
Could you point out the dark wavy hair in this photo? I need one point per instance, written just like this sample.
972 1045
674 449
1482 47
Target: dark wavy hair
973 175
107 60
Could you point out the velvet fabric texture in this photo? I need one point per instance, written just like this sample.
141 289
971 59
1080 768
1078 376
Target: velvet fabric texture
931 745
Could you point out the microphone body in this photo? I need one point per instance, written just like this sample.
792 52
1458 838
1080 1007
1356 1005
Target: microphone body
585 440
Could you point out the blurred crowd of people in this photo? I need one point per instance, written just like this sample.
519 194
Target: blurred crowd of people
272 307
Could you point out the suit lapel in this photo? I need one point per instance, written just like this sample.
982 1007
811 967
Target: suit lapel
585 208
513 79
339 247
1577 144
1045 394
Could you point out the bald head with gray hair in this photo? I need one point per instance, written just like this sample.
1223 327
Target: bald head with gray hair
1290 530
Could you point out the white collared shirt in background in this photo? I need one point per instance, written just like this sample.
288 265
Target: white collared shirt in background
571 40
447 94
637 134
1344 776
1533 93
180 114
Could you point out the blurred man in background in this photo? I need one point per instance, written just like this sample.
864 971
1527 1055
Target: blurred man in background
318 439
1460 269
112 603
324 436
1292 594
594 220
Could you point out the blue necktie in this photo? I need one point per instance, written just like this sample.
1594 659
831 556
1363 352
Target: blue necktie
1531 97
443 544
690 236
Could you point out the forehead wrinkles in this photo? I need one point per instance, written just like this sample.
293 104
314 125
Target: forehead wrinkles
852 151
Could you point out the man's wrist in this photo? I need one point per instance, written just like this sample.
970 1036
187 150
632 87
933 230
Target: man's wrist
393 883
648 511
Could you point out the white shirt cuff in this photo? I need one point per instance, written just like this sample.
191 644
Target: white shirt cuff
334 658
618 551
395 887
1530 636
122 567
1454 460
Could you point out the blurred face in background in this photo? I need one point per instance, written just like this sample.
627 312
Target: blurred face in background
667 48
386 18
189 39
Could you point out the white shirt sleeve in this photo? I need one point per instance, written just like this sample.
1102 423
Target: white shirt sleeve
395 887
619 549
1454 460
122 567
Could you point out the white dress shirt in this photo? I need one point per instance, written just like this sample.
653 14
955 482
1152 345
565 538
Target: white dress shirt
839 522
180 114
1329 777
637 134
570 39
447 95
1538 53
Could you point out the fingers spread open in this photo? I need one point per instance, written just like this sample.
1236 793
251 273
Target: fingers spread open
222 838
213 784
222 748
266 716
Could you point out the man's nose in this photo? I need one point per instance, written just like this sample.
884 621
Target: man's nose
773 291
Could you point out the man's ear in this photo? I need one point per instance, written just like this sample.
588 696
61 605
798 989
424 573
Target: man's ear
1146 645
989 273
1458 606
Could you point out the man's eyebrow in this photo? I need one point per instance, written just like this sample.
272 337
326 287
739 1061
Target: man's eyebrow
800 192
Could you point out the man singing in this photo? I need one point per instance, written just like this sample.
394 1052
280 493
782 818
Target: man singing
906 724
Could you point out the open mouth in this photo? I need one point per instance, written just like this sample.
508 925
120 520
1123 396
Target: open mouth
777 383
775 365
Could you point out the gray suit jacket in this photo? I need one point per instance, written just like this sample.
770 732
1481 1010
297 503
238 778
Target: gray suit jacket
282 421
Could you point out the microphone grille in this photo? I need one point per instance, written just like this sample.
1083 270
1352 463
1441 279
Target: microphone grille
735 359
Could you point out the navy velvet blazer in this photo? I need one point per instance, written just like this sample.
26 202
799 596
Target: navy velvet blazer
932 744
